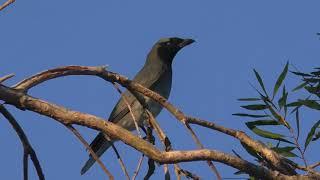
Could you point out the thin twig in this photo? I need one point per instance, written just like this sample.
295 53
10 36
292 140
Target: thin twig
168 147
129 107
87 146
176 171
123 167
314 165
200 145
136 172
27 148
4 78
7 3
166 172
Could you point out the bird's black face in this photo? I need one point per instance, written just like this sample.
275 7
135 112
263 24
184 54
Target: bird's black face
168 47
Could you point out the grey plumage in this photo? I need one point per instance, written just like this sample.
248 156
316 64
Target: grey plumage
156 75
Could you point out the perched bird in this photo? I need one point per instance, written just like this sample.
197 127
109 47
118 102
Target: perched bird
156 75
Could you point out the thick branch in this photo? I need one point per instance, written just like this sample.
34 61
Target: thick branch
68 117
273 158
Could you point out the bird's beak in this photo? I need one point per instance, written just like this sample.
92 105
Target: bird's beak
186 42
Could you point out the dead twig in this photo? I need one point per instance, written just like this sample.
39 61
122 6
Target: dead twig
27 148
136 172
200 145
6 4
93 154
4 78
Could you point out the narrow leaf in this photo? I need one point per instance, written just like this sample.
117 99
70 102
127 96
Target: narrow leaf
278 117
310 104
267 134
302 85
283 100
280 80
249 115
294 104
249 99
255 107
300 74
285 151
316 73
263 122
260 81
310 134
317 136
313 90
311 80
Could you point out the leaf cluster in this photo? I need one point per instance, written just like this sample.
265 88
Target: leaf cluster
273 110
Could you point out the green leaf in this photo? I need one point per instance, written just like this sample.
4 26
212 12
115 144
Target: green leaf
249 115
302 85
316 73
285 151
283 100
280 80
263 122
310 134
249 99
310 104
311 80
255 107
300 74
313 90
266 134
294 104
260 82
316 136
278 117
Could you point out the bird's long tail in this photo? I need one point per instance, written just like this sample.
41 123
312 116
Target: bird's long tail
103 147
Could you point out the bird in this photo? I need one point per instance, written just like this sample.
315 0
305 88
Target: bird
156 75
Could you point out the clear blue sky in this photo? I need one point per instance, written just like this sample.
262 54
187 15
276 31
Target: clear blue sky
232 38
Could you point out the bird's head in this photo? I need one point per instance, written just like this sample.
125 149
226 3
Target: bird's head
167 48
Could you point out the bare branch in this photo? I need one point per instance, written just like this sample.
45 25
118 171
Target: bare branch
67 117
4 78
93 154
272 157
199 144
123 167
277 161
7 3
136 172
27 148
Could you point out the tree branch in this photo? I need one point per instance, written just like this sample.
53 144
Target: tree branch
27 148
7 3
69 117
278 163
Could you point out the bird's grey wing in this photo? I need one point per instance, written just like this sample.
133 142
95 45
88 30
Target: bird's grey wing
99 145
146 79
119 111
